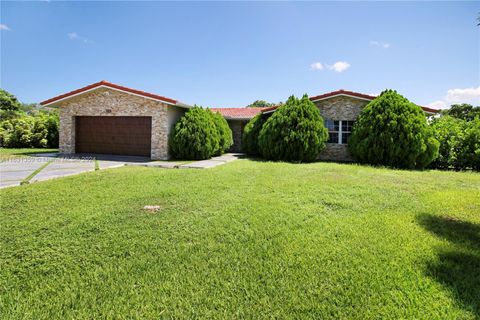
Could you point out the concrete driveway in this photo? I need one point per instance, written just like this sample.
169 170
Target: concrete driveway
50 166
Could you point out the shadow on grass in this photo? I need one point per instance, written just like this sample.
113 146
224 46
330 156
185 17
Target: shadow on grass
457 268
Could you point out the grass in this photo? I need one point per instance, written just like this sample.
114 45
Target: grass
8 153
244 240
34 173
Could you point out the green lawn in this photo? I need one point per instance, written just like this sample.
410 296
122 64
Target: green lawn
244 240
6 153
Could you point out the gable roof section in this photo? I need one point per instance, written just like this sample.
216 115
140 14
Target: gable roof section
238 113
341 92
106 84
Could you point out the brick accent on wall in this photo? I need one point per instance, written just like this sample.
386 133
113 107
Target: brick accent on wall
109 102
339 108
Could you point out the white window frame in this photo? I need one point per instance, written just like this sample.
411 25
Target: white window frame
340 131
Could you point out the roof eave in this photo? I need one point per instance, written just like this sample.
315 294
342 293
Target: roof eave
315 99
104 84
237 118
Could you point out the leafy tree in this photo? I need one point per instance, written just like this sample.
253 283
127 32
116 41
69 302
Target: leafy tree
51 122
393 131
8 101
195 135
9 106
28 107
462 111
250 134
448 131
294 132
224 132
468 150
260 104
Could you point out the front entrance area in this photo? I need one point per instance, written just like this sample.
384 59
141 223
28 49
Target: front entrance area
113 135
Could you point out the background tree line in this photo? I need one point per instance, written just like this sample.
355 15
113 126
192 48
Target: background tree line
26 125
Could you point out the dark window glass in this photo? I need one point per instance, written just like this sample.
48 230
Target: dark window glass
336 125
346 130
333 127
332 137
347 125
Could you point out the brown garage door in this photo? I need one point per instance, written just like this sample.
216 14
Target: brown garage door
113 135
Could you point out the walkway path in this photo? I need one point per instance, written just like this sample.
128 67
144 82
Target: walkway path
214 162
16 171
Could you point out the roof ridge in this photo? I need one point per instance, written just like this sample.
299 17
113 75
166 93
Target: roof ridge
110 85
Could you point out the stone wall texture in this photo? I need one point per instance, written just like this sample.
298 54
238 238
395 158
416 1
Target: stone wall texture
237 127
109 102
339 108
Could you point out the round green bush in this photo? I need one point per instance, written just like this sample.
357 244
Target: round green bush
294 132
250 134
195 136
224 132
393 131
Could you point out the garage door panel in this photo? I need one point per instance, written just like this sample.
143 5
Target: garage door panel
114 135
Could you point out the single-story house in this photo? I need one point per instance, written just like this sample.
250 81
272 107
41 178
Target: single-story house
339 110
106 118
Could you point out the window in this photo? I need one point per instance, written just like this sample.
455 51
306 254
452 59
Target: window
346 131
333 127
339 130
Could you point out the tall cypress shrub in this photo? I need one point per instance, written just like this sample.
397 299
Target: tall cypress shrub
393 131
224 132
251 133
195 135
294 132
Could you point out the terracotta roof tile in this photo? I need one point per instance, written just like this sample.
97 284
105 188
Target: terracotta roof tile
344 92
238 113
348 93
110 85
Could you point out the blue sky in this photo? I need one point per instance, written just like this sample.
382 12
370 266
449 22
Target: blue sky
228 54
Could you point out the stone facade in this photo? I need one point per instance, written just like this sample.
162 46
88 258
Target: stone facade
109 102
339 108
237 127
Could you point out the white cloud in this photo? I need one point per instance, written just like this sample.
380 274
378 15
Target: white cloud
316 66
457 96
471 95
380 44
76 36
439 104
4 27
339 66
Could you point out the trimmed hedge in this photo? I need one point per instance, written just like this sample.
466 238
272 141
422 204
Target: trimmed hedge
200 134
250 135
294 132
224 131
393 131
